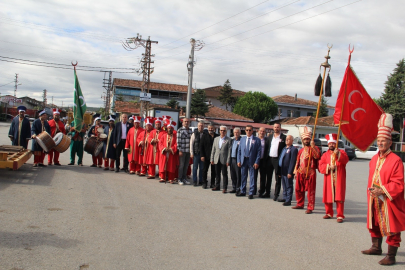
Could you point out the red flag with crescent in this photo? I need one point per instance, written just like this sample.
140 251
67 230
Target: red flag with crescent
360 112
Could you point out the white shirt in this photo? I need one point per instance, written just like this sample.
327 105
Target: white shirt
123 131
221 141
274 146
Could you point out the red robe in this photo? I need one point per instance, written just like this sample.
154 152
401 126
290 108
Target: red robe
61 126
132 144
156 135
168 156
391 181
334 184
145 150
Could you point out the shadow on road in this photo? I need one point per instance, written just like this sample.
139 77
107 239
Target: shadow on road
34 239
26 175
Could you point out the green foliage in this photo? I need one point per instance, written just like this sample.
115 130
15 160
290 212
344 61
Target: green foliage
226 97
174 104
103 113
392 99
198 105
323 109
120 97
257 106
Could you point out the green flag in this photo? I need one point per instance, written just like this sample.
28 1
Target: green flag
79 107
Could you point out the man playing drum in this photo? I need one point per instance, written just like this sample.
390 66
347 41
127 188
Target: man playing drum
38 126
56 126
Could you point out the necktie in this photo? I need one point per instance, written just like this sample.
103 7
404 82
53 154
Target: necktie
247 148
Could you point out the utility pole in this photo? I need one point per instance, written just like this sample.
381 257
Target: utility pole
196 45
132 44
107 84
15 85
52 102
44 97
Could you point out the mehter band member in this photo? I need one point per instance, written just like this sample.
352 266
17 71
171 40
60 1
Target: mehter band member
386 204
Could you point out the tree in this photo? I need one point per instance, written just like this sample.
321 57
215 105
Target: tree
173 104
392 99
323 109
120 97
257 106
198 105
225 95
103 113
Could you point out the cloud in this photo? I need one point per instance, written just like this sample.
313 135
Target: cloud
275 58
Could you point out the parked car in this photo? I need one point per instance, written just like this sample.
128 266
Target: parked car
325 147
298 143
350 152
368 154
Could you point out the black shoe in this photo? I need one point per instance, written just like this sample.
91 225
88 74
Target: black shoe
232 191
266 195
200 183
275 197
281 200
93 165
117 169
212 186
195 184
204 186
71 163
126 170
287 203
240 194
41 165
250 197
58 164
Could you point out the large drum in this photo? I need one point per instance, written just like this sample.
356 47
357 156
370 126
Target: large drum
93 146
62 142
45 141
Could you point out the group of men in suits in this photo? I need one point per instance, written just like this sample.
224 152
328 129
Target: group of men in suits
246 156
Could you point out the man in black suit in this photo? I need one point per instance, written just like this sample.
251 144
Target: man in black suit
276 145
206 143
264 141
119 139
287 160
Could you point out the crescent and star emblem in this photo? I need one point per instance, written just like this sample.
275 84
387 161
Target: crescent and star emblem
357 109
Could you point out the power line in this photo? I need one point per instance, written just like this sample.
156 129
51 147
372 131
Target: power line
261 25
216 23
251 19
56 64
59 67
6 84
266 31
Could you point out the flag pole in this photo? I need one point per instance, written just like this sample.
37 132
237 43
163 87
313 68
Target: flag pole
325 65
344 97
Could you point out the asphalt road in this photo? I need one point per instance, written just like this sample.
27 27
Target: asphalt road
74 217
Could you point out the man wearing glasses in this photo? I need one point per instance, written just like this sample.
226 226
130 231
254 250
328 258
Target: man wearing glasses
248 159
220 157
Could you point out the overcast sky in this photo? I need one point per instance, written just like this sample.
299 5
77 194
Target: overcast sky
271 46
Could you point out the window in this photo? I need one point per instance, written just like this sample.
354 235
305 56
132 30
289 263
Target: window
289 113
297 114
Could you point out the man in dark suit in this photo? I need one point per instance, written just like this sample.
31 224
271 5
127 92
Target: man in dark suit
207 140
119 140
276 145
287 160
233 153
248 159
264 143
